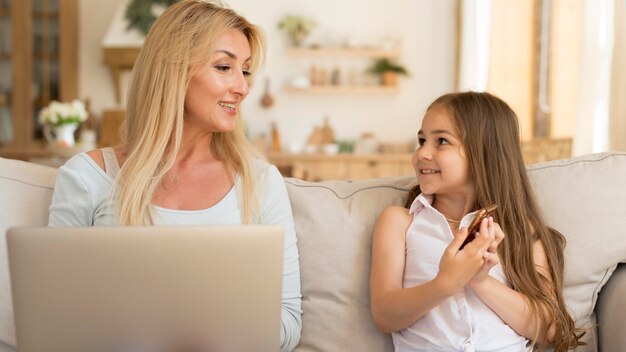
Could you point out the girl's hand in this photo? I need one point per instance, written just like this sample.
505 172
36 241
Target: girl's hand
457 267
492 230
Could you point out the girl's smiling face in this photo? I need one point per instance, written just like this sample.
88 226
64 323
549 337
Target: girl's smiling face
440 161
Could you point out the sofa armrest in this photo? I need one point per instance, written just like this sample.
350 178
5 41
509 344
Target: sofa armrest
611 312
6 348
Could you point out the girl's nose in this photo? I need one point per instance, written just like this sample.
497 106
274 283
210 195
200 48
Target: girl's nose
423 153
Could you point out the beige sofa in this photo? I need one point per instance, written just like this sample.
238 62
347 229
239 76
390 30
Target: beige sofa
584 198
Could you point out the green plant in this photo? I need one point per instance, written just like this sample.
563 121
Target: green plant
384 64
297 23
140 16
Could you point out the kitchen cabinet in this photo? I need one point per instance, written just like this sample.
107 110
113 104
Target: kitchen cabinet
321 167
38 64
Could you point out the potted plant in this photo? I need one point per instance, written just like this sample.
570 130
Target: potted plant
297 27
60 120
388 71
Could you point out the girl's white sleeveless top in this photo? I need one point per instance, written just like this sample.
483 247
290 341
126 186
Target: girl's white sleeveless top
461 322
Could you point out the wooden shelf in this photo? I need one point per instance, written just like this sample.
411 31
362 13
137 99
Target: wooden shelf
345 90
119 59
345 52
319 167
340 157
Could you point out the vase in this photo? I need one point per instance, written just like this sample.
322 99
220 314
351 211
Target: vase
61 136
298 37
389 79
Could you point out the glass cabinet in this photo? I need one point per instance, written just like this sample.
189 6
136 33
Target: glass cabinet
38 64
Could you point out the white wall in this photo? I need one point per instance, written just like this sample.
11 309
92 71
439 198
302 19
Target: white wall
426 29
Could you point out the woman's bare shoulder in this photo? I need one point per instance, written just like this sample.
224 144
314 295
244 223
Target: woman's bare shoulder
97 156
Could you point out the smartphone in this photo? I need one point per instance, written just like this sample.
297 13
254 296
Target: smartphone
474 226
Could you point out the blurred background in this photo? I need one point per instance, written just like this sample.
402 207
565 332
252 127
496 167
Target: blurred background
345 83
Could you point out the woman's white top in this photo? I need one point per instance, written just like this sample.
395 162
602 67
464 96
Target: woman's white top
82 198
461 322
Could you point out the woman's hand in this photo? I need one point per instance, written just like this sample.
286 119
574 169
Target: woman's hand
490 229
457 267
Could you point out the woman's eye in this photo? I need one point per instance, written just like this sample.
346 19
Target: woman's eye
222 68
247 73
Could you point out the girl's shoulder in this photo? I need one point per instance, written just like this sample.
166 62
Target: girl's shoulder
395 216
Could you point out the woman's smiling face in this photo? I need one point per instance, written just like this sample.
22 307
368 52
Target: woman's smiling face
216 90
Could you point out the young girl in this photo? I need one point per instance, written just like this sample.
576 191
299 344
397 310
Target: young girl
503 290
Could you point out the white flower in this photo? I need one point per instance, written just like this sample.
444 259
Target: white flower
63 113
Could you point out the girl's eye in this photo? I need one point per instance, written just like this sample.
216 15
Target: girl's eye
443 141
421 141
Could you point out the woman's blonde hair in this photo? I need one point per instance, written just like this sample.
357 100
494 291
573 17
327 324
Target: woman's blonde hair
179 43
488 128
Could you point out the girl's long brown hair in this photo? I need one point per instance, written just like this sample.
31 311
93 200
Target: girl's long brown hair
488 128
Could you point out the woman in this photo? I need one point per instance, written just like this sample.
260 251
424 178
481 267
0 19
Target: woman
185 158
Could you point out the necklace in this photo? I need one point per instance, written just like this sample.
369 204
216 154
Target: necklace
453 223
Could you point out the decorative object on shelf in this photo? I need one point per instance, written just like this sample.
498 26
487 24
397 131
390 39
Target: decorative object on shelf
328 134
275 138
60 120
267 100
366 144
388 70
141 14
297 27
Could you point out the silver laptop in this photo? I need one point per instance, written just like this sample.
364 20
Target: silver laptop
147 289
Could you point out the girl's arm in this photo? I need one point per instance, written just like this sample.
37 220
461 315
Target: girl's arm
511 306
395 308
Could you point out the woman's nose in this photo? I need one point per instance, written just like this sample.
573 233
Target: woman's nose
240 85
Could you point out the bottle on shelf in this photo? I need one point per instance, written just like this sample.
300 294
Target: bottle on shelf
323 77
335 76
275 138
313 76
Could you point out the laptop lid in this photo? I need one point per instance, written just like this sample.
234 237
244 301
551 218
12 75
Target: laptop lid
174 289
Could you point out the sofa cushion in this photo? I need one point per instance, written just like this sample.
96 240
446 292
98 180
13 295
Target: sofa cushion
584 198
334 224
26 190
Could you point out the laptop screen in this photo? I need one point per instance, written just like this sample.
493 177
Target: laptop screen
185 288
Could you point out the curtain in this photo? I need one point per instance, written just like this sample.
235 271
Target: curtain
474 46
591 134
618 86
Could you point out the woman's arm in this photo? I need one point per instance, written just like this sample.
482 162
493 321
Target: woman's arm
395 308
276 209
512 306
72 203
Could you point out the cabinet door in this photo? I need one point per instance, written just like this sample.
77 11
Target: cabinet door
7 131
372 169
38 63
